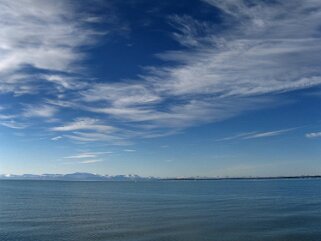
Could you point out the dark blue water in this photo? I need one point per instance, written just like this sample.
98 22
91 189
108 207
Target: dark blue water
283 210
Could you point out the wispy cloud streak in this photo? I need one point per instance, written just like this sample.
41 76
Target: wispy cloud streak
263 51
313 135
40 35
267 134
256 134
221 73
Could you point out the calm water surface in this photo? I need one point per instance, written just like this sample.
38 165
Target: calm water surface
278 210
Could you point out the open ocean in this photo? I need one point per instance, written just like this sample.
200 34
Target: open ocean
234 210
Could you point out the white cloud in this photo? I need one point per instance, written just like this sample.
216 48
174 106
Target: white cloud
267 134
256 134
129 150
40 34
64 82
13 124
90 157
264 50
313 134
82 155
88 137
84 124
40 111
121 95
90 161
56 138
6 117
47 29
237 136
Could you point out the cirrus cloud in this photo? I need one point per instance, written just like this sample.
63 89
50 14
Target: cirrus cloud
262 52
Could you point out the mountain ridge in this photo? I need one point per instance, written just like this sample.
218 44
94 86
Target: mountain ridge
85 176
76 176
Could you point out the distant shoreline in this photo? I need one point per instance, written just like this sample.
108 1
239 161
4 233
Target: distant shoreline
241 178
142 179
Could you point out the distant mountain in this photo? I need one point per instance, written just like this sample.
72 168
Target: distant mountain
84 176
77 176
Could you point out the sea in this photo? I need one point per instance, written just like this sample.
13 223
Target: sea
217 210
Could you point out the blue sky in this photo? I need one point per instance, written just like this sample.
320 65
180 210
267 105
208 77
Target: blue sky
160 88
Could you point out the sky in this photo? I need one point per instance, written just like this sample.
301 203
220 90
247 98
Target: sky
167 88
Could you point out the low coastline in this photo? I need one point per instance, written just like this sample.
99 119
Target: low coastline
135 178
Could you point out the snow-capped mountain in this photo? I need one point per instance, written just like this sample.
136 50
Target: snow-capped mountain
77 176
